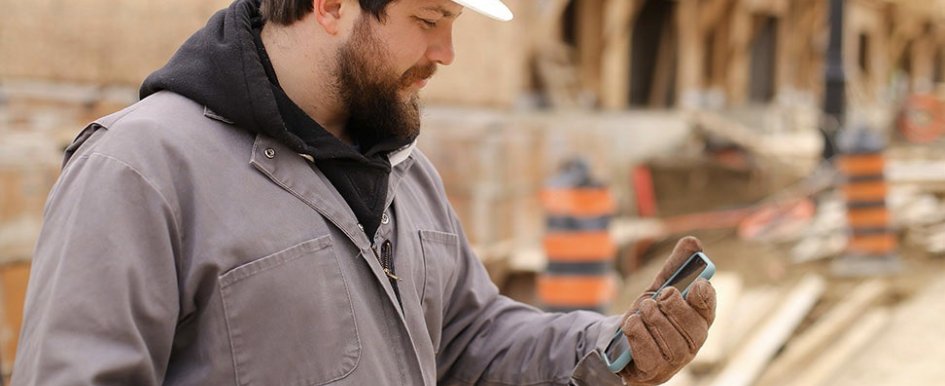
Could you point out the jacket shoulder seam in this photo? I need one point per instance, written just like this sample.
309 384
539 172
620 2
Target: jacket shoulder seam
148 181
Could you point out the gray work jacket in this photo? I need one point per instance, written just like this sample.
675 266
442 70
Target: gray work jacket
181 250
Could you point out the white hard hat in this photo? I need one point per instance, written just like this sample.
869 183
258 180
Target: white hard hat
492 8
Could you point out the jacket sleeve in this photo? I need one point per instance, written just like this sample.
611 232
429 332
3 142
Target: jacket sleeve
489 339
102 302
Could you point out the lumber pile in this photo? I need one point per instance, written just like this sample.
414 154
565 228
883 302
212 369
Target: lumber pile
916 205
915 197
909 350
801 333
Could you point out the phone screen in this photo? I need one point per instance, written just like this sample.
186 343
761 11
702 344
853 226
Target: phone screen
687 274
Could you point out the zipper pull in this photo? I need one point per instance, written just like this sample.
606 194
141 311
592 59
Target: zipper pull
391 274
387 260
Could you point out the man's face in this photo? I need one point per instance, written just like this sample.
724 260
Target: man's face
384 64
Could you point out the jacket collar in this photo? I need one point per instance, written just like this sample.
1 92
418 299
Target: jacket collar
395 157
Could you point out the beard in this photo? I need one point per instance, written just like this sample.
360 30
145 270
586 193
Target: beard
371 90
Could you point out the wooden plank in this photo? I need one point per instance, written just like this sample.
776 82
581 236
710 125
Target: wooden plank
549 18
801 349
590 43
721 55
752 307
691 54
663 74
740 38
712 13
783 59
748 362
909 352
728 288
769 7
824 366
683 378
615 57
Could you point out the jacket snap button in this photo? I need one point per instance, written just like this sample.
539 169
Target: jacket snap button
361 227
385 219
270 153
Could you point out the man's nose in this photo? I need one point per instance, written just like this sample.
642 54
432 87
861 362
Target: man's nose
441 49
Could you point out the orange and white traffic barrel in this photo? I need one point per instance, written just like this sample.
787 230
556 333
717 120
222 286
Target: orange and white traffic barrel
580 271
872 247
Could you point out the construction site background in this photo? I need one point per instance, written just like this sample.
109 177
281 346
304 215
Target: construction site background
702 117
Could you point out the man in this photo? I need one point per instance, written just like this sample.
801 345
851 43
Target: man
261 217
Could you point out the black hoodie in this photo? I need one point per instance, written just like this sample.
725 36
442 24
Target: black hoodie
224 67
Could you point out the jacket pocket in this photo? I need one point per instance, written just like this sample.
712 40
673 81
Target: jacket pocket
289 317
440 252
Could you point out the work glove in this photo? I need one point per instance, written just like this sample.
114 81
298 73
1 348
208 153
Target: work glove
665 333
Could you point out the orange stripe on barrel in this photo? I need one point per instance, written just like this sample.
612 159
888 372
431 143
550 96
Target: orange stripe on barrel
579 202
872 244
861 164
868 217
580 246
865 191
575 291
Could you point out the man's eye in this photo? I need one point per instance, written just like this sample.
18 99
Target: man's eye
428 23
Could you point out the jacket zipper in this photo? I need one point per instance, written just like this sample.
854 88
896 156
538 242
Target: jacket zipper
386 258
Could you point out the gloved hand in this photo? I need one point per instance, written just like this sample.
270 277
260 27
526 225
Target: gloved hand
665 333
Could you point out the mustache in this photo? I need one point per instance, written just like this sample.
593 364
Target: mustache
417 73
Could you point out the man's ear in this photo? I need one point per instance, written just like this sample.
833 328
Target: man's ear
328 14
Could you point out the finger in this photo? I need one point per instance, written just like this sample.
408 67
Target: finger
685 247
685 319
636 303
647 359
672 343
702 298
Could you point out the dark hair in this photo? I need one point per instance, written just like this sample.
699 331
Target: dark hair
286 12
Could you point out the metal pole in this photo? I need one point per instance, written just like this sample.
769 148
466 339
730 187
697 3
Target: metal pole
835 90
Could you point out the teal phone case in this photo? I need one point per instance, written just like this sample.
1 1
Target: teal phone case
626 357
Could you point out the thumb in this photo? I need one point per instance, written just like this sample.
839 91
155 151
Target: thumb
701 297
685 247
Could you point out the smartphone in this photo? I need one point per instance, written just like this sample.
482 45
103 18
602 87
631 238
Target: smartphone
696 266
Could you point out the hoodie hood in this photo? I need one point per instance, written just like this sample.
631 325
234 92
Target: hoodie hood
225 67
219 67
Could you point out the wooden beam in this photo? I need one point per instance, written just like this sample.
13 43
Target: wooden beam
665 65
740 38
752 308
690 55
683 378
728 288
615 57
784 60
768 7
747 363
590 43
549 21
721 55
802 348
712 13
823 367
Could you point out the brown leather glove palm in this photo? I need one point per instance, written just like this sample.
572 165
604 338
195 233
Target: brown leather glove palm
665 333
